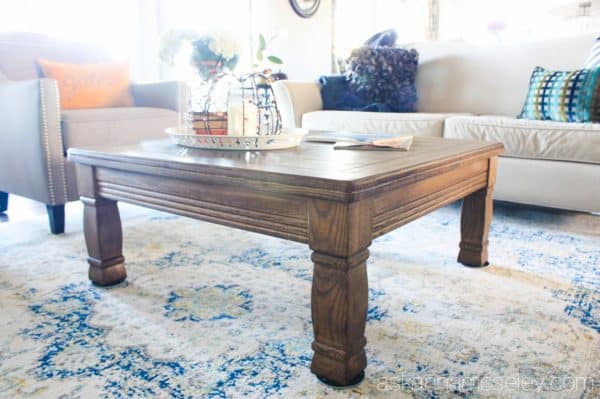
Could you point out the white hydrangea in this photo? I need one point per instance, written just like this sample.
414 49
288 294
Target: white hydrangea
224 44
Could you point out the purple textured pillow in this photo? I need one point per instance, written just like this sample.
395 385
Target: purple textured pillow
385 75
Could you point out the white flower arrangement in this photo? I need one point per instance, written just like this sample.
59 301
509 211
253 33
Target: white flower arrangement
223 43
213 53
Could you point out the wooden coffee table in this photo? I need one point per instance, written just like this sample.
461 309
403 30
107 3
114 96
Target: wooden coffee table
336 201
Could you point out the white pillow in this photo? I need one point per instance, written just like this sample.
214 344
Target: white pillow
2 77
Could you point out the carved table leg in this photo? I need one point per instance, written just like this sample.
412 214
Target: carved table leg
476 217
103 238
102 229
474 226
339 235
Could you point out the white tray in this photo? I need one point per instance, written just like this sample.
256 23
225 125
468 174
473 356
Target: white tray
286 139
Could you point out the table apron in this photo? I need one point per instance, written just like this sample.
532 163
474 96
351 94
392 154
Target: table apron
276 215
415 198
285 215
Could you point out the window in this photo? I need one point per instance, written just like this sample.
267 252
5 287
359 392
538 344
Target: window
129 29
200 16
511 20
111 24
489 21
357 20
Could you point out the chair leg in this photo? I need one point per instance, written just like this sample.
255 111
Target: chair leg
3 201
56 217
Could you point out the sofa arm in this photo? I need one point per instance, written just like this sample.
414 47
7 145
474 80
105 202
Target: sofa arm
31 148
294 99
168 94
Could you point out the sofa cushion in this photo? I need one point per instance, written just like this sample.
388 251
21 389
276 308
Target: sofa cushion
561 141
376 122
114 126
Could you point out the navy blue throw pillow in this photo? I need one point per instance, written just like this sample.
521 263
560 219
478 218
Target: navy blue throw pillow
337 95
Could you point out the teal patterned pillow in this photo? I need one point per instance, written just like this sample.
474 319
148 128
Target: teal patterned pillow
563 96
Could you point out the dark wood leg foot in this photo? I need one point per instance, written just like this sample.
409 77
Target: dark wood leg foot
339 313
3 201
476 217
339 235
56 218
357 380
103 238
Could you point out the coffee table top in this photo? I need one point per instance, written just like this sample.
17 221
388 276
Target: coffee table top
310 164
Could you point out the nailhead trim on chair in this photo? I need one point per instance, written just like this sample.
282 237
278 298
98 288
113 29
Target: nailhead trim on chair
59 130
46 144
46 139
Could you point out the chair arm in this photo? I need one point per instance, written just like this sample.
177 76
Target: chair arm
31 148
168 94
294 99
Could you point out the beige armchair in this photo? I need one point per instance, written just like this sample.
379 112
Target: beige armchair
35 133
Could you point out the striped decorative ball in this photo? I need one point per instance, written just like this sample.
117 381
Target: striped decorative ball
563 96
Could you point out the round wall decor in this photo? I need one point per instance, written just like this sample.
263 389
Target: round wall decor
305 8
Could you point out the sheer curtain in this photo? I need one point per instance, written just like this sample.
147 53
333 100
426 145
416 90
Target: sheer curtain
201 16
357 20
111 24
479 21
508 21
129 29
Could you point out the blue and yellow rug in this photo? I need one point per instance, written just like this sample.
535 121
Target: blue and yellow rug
212 312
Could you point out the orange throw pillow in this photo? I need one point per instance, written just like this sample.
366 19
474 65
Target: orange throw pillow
90 85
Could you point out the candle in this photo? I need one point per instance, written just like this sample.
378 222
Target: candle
242 119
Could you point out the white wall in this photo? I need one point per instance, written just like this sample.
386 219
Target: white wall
304 44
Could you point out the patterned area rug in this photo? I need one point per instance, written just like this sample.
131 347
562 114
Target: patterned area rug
212 312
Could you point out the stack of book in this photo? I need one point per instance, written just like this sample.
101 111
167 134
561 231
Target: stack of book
211 123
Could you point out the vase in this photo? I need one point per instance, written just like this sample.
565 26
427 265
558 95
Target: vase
252 107
207 113
228 105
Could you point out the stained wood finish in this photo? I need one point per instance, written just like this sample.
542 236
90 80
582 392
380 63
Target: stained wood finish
102 230
475 220
339 236
310 170
335 201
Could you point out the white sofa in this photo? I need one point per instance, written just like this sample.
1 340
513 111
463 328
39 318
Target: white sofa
468 91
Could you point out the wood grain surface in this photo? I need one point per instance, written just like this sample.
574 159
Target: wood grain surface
335 201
